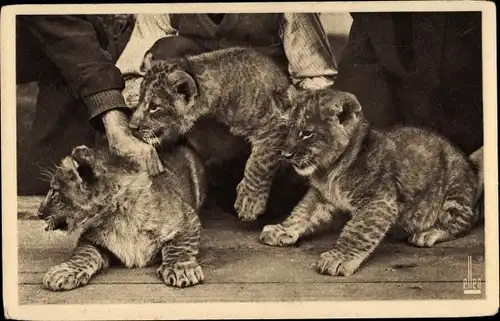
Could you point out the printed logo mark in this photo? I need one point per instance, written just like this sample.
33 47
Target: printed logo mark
471 285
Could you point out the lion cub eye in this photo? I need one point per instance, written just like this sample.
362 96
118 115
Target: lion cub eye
305 134
154 110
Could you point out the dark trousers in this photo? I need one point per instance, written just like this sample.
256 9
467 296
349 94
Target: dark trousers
451 106
60 121
60 117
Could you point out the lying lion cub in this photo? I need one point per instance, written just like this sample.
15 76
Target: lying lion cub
124 212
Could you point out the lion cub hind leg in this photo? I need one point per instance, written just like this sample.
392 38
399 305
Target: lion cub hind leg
179 267
455 219
359 238
456 216
429 237
85 261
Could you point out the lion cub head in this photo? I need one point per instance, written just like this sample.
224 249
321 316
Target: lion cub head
167 96
322 123
74 187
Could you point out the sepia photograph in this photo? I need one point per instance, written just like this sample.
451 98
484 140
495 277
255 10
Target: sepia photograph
249 160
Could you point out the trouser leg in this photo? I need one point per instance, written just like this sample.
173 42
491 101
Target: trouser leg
60 118
60 123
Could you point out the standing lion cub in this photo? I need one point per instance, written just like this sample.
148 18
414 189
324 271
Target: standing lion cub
123 212
407 178
238 87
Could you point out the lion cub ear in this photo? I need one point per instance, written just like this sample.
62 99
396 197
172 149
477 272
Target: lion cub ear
147 63
286 96
184 85
284 101
83 155
350 109
84 159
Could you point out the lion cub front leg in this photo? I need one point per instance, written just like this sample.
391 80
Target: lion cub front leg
253 190
307 217
359 238
179 267
85 261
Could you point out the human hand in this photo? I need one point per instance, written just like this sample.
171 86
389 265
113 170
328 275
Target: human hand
315 83
122 142
132 89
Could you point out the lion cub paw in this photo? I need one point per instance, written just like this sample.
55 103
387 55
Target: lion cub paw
63 278
335 263
181 274
277 235
249 204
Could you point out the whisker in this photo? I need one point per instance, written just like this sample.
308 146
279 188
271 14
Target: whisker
157 140
46 174
150 138
55 167
45 179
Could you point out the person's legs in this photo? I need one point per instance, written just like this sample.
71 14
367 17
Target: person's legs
60 123
60 120
361 73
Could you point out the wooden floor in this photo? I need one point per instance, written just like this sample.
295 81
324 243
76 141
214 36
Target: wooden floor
238 268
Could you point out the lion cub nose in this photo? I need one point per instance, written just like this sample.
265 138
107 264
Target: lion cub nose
287 154
42 213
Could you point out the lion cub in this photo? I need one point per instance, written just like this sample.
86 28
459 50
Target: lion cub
238 88
124 213
407 178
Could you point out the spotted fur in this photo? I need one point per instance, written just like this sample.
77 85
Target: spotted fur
406 179
238 87
123 212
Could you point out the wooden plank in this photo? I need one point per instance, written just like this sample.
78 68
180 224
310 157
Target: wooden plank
259 263
224 258
238 268
226 226
27 206
247 232
276 265
268 292
227 233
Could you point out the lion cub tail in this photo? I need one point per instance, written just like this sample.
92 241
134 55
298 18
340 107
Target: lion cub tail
197 176
185 174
